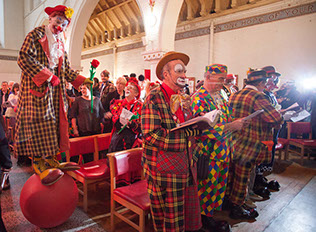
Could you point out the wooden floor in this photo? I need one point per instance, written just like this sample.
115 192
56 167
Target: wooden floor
293 208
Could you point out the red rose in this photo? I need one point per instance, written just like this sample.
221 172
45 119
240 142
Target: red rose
95 63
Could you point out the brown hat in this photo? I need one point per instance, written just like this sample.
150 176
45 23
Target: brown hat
169 56
256 74
271 70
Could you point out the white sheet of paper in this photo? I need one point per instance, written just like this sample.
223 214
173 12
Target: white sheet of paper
300 116
212 115
125 116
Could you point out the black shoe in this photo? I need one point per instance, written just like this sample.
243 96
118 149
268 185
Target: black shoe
262 191
215 226
239 212
260 180
274 185
227 204
253 211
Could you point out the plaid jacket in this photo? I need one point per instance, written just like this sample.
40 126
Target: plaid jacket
167 156
248 144
41 106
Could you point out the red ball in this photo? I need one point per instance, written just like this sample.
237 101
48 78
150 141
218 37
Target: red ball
48 206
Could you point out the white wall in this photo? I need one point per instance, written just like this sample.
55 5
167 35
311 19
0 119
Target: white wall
128 62
198 50
289 45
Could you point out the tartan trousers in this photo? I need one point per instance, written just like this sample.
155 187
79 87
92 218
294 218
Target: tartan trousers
174 209
238 180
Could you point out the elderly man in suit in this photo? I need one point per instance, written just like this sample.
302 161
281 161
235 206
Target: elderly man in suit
168 155
42 125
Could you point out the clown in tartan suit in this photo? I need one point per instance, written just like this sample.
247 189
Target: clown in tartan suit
42 125
168 158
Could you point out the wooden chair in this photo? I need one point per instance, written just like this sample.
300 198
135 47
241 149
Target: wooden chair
133 197
93 172
298 145
102 142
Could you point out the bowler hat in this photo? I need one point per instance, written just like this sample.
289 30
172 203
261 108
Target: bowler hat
270 70
256 74
169 56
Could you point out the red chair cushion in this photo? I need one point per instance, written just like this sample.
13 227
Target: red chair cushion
94 170
305 142
135 193
283 141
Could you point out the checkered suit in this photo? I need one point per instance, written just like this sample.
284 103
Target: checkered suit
249 151
168 162
219 145
41 119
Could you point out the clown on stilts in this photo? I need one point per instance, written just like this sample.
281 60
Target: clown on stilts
42 125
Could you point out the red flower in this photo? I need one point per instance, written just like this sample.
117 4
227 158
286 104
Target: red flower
95 63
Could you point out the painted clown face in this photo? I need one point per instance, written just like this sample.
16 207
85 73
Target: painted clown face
58 23
175 75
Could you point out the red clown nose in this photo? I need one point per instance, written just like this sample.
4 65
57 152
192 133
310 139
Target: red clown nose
59 29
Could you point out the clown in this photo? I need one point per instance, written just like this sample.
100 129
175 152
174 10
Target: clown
42 126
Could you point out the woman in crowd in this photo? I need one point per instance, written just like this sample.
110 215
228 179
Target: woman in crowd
83 121
126 130
11 105
96 87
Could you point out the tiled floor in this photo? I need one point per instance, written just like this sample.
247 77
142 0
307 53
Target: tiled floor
290 209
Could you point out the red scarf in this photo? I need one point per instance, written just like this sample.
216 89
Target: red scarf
167 93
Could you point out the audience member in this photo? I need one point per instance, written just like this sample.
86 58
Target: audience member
5 164
249 149
230 86
4 94
168 155
42 125
150 86
216 143
126 129
12 104
85 122
96 87
10 85
106 85
119 93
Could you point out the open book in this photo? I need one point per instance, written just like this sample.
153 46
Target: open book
202 122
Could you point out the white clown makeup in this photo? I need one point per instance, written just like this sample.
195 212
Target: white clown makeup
180 69
58 23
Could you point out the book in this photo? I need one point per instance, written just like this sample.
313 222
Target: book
290 107
300 116
202 122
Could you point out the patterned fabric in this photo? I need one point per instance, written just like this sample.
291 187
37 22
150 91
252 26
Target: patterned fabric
248 141
168 160
212 190
216 68
38 117
219 145
167 206
126 138
240 173
249 149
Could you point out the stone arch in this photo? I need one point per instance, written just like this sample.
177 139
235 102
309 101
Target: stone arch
77 29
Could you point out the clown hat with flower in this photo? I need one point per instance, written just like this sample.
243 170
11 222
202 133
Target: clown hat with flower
66 11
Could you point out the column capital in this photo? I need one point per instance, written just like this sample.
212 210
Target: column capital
152 55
